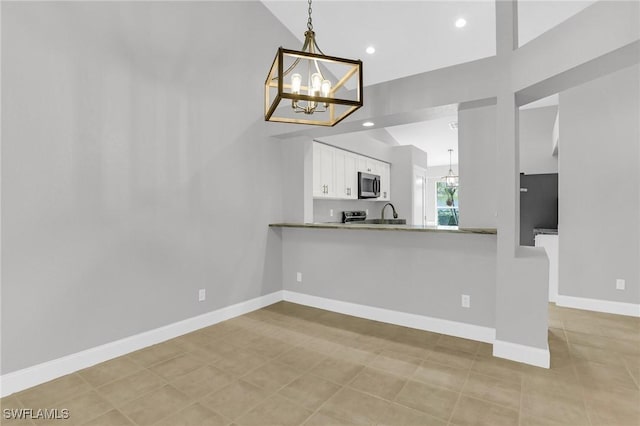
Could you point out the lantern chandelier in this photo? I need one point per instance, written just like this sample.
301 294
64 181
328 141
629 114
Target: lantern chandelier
451 179
299 86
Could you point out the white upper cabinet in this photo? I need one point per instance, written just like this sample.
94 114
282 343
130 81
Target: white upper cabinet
323 171
346 175
335 173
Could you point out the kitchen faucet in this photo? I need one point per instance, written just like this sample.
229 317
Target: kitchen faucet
395 215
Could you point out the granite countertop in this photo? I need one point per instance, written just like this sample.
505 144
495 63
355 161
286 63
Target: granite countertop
376 227
544 231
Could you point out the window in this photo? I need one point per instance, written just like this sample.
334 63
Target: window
446 204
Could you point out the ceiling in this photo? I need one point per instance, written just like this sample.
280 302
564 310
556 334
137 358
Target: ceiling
412 37
434 137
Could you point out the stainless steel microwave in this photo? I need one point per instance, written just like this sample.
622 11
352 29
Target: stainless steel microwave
368 185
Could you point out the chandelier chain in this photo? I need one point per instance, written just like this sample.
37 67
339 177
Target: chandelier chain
309 23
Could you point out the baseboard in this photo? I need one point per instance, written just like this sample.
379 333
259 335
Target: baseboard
599 305
522 353
420 322
41 373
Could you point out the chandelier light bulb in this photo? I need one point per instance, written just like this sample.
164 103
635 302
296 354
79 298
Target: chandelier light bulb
316 83
296 81
326 88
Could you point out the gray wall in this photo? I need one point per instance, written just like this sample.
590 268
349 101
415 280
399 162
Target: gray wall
131 158
477 161
536 127
411 272
599 188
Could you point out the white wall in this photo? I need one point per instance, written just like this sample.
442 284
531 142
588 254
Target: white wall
599 188
477 161
536 128
403 159
135 169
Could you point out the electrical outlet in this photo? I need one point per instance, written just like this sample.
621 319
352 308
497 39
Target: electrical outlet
331 212
202 295
620 284
466 301
299 277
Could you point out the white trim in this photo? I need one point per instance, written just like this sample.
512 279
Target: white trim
599 305
522 353
40 373
420 322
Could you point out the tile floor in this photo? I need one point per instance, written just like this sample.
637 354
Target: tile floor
289 364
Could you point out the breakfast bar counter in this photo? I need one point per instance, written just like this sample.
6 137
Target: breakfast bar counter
386 227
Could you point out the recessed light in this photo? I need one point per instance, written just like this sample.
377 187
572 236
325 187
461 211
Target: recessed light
461 22
368 123
370 50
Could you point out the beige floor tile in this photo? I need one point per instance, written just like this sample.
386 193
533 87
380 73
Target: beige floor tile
399 415
498 367
463 345
270 347
173 368
236 399
491 389
85 407
301 358
156 353
396 363
50 393
356 356
601 356
357 407
131 387
471 411
613 407
440 375
552 383
202 381
566 408
322 418
272 376
600 376
241 363
437 402
621 346
155 405
379 383
336 370
194 415
453 357
528 420
109 371
309 391
112 418
275 410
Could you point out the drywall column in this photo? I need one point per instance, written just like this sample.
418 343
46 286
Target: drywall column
297 179
477 159
521 288
599 194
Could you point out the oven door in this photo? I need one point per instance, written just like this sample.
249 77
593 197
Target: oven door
368 185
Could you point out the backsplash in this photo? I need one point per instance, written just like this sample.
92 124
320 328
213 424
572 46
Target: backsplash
321 209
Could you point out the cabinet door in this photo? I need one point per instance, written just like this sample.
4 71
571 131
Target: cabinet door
327 170
339 163
385 182
318 185
374 166
351 175
362 164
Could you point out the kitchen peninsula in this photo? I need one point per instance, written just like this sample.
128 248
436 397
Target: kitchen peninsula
408 275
